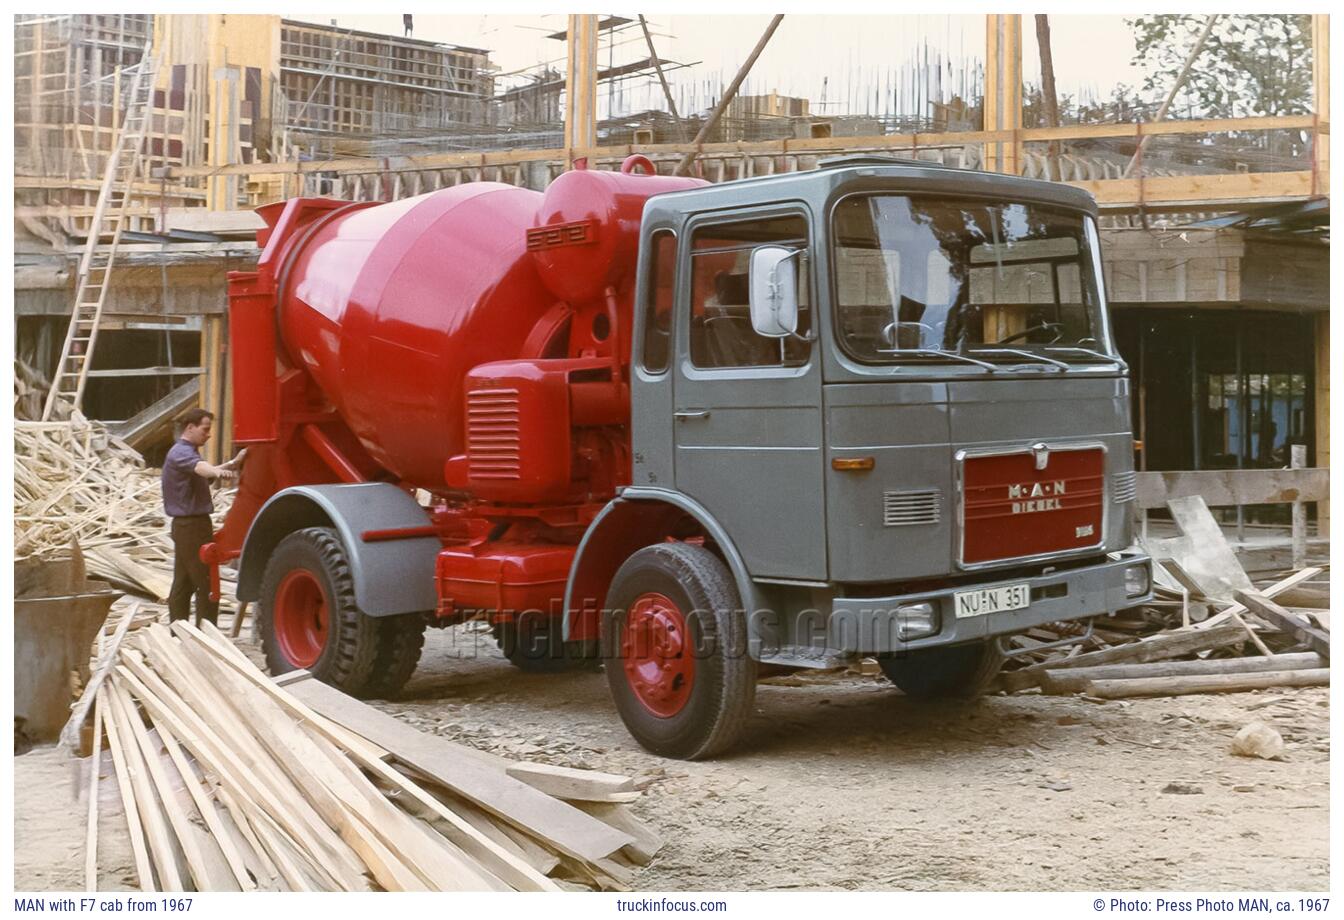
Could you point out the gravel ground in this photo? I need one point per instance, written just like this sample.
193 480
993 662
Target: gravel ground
843 783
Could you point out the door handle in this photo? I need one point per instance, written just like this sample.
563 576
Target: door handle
691 413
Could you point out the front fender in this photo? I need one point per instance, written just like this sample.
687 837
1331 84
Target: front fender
639 517
391 576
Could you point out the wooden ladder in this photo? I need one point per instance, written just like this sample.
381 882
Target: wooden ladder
95 266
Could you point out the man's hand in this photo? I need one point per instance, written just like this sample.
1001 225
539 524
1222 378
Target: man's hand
236 464
210 471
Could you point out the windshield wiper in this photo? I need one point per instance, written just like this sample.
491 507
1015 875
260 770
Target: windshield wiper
1085 351
941 354
1063 365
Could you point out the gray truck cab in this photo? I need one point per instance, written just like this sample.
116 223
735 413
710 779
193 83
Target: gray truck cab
892 389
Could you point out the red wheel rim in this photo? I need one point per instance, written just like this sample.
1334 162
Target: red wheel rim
300 618
656 651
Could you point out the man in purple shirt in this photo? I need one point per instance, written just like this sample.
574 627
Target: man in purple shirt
186 499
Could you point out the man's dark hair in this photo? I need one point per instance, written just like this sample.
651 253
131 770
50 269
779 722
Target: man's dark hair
193 417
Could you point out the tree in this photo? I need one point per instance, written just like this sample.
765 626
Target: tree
1250 65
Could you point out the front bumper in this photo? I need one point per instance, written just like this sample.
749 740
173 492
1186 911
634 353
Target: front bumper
871 625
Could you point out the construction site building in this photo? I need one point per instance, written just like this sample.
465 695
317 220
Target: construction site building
1216 243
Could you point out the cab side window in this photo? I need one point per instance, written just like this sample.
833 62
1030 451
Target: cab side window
721 334
658 300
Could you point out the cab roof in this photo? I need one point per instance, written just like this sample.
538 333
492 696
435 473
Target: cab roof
845 175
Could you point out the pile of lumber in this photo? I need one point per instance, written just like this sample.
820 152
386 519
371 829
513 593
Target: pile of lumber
76 483
1209 629
232 781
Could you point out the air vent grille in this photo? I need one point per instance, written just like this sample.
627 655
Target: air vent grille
493 438
906 509
1124 487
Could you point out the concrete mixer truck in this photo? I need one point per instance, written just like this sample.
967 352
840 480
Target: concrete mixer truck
695 432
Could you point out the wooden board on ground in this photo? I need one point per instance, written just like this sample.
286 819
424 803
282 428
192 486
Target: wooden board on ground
1155 648
1207 683
1210 560
1274 590
1297 627
1075 680
568 783
647 843
562 825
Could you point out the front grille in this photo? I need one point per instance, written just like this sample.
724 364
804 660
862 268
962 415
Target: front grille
1124 487
493 440
905 509
1031 503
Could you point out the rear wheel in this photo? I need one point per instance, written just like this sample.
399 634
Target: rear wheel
675 652
945 672
308 619
532 642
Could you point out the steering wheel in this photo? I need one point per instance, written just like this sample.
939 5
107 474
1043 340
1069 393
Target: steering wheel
890 329
1029 330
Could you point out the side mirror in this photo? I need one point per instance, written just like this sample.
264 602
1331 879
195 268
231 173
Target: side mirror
774 291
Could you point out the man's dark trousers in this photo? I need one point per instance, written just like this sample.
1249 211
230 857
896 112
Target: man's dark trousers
190 574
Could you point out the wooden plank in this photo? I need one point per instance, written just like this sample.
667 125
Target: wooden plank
561 825
1209 683
1155 648
233 857
493 858
1210 560
207 874
248 779
239 829
1320 82
1173 190
383 836
70 733
95 767
439 856
1188 583
505 836
647 842
431 162
1003 91
1075 680
568 783
1271 591
161 844
1295 626
1233 487
255 774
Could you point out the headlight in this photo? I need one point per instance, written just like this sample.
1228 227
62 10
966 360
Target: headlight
1137 580
916 621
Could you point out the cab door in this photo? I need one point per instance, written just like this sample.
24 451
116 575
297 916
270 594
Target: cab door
747 423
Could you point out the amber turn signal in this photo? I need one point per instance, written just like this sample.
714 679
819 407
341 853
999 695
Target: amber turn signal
852 463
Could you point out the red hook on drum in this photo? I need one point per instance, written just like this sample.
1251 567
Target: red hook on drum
638 160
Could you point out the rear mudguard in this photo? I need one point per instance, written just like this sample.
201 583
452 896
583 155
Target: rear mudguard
392 575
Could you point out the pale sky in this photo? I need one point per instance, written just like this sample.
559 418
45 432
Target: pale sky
842 55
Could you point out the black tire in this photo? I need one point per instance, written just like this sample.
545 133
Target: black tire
532 642
363 656
723 686
946 671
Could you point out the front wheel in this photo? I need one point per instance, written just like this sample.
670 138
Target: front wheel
675 651
945 671
308 618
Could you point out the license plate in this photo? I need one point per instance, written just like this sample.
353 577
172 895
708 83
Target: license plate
992 600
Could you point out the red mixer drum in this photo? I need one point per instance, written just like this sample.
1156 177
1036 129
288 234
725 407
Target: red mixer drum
388 307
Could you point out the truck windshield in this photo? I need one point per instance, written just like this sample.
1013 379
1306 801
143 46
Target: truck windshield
922 279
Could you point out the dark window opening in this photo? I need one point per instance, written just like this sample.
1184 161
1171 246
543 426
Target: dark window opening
721 334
